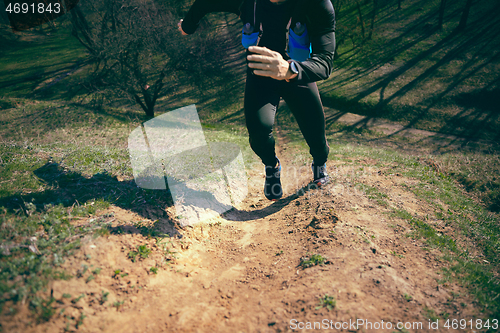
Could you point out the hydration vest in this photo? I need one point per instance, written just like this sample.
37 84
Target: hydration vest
297 37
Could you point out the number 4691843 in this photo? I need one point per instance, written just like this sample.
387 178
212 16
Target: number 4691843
39 8
472 324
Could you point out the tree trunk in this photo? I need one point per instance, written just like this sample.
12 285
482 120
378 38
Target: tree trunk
441 14
399 4
465 15
374 15
360 16
81 26
150 112
149 108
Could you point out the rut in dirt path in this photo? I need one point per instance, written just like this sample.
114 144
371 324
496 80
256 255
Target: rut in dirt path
251 273
248 276
260 287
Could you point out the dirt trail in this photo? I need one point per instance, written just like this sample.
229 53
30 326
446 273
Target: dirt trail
240 272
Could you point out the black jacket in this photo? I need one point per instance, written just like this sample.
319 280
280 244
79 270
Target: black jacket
318 15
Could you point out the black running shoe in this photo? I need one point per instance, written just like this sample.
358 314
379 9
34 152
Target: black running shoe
272 186
320 175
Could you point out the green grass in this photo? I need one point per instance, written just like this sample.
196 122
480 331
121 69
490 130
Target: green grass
76 300
142 251
312 260
30 62
374 194
409 71
327 301
478 172
118 304
104 297
430 314
34 246
165 247
400 256
421 229
413 73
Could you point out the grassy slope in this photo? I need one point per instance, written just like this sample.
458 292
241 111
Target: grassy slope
92 171
31 61
412 72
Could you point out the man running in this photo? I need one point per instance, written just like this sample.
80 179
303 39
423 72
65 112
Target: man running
290 45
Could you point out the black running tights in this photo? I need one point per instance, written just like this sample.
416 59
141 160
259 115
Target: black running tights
262 96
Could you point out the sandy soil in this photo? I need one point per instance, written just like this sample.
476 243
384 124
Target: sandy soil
240 272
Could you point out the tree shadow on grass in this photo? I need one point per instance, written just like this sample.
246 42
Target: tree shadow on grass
478 119
71 188
488 100
480 41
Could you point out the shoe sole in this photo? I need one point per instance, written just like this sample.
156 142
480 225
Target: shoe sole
273 199
319 183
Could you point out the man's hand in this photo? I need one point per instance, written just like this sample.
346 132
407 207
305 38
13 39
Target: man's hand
269 63
179 25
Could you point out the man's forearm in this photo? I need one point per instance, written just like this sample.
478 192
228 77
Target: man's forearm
320 65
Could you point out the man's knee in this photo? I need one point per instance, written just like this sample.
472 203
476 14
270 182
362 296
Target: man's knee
259 137
259 129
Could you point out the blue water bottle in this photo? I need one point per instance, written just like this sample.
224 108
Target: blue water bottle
249 38
299 29
299 46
